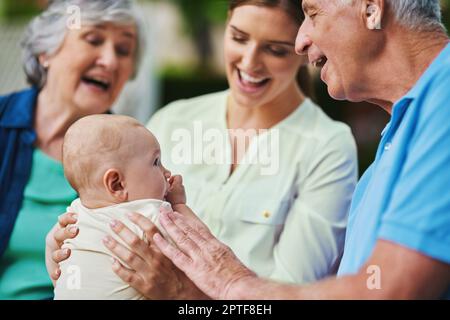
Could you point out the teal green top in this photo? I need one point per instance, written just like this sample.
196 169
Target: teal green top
47 195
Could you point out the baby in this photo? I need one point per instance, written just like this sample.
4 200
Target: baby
114 164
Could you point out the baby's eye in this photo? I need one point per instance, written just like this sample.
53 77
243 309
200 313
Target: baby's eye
157 162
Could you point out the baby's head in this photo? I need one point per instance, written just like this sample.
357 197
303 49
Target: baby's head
110 159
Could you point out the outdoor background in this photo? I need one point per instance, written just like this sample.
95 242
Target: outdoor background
184 59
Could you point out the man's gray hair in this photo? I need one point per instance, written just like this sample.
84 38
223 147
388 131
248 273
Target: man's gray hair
421 15
46 32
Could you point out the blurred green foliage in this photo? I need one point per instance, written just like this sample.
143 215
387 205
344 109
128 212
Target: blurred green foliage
19 9
198 18
446 13
194 12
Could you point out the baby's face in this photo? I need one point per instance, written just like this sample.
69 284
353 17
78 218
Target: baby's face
145 176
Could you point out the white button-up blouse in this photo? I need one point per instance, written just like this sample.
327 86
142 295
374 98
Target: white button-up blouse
284 209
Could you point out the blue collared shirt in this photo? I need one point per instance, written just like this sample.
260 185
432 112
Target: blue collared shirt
404 197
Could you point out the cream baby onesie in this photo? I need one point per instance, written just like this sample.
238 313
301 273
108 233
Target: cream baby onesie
88 274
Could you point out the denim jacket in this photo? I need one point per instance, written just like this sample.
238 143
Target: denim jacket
17 137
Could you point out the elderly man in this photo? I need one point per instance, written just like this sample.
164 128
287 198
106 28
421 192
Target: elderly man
396 54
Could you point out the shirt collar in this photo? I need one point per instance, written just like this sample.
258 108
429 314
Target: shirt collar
18 111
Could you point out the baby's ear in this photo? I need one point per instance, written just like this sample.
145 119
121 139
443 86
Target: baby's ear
115 185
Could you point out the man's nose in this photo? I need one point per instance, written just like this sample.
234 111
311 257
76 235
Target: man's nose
302 42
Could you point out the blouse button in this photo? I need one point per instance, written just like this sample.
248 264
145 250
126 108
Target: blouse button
266 214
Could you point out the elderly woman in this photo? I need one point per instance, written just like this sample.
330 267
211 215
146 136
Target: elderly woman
73 72
280 201
396 54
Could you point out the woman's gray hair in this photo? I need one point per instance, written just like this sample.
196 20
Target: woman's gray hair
46 32
420 15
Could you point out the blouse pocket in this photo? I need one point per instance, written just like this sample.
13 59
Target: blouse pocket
262 212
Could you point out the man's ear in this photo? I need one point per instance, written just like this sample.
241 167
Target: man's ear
114 183
373 13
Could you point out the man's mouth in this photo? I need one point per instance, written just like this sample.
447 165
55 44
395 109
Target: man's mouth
319 62
99 82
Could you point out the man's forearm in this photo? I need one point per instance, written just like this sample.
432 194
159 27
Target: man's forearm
345 288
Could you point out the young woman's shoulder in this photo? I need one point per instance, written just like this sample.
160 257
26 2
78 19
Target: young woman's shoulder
311 122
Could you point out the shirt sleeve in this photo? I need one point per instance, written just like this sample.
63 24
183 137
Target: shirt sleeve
155 123
418 215
311 244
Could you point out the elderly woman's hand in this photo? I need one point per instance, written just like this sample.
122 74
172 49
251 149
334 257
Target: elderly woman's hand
151 273
63 230
210 264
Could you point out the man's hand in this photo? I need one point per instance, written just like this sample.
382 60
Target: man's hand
214 269
210 264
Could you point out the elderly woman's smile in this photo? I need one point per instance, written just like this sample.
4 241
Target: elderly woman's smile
96 82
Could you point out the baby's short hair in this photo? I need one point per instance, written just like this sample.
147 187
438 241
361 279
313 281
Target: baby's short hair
95 142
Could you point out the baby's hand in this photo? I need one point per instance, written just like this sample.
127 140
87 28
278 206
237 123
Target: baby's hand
176 194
